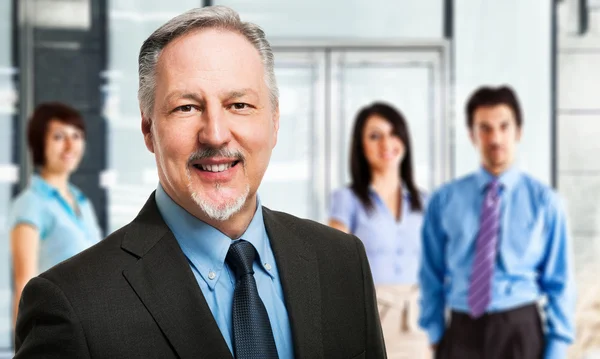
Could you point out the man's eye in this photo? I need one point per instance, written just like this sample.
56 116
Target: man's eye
185 108
239 106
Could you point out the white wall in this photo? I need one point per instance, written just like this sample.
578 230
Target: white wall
378 19
505 42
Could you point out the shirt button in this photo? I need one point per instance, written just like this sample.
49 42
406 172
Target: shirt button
398 270
212 275
267 266
399 251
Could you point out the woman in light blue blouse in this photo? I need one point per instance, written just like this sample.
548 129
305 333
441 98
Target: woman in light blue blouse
51 220
383 206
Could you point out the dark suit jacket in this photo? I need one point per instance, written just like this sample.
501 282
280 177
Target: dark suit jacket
133 295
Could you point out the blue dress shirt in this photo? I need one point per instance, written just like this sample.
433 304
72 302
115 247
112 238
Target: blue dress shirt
206 247
393 247
534 255
63 233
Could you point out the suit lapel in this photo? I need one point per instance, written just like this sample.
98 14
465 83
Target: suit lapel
299 274
164 282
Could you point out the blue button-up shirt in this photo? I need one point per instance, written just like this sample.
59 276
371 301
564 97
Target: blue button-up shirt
63 233
534 255
393 246
206 248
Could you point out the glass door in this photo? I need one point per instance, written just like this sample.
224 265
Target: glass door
295 179
322 87
410 79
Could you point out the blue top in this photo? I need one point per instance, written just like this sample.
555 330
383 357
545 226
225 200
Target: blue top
534 255
393 247
63 233
206 247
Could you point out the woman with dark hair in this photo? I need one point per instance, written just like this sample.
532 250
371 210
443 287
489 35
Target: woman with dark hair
51 220
383 206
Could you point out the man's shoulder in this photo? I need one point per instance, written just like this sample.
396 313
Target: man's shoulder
452 187
539 191
93 264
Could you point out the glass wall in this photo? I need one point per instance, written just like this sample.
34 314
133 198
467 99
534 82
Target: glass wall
8 171
335 19
310 159
326 65
132 171
578 168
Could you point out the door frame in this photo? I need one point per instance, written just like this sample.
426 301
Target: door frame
443 123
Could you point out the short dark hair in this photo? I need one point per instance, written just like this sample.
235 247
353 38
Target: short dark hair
38 126
492 96
359 166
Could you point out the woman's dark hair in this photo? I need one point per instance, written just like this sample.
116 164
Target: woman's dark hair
359 166
38 126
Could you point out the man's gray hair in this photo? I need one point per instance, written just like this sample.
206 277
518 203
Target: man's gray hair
219 17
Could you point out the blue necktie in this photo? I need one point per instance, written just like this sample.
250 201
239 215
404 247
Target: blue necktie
252 333
480 289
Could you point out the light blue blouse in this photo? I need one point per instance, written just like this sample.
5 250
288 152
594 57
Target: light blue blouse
63 233
393 247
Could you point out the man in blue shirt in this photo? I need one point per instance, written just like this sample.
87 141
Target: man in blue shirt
205 271
495 242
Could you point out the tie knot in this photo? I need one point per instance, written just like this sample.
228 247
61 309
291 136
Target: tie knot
494 186
240 257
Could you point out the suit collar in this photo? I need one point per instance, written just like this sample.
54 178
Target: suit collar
164 282
299 274
145 230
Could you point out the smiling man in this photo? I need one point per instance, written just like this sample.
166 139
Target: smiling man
494 243
205 271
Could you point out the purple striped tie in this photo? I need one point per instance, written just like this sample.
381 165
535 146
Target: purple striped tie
480 289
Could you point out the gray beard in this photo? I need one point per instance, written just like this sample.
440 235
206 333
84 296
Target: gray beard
224 211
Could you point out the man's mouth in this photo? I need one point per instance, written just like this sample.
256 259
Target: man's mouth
216 167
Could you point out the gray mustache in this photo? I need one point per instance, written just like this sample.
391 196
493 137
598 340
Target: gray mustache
216 152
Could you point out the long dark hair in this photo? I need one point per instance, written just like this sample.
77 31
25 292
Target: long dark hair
359 166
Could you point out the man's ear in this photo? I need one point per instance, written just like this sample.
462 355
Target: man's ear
472 135
147 131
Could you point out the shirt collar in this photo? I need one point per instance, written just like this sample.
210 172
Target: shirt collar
507 179
205 246
256 233
39 184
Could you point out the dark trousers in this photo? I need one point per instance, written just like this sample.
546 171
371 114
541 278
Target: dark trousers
513 334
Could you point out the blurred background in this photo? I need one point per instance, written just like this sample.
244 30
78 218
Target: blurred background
332 57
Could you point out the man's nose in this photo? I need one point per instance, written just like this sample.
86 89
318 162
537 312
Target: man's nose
215 131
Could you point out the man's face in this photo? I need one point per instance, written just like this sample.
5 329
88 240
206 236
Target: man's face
213 127
496 134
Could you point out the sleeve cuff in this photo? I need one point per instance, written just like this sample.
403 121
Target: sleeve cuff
435 333
556 349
